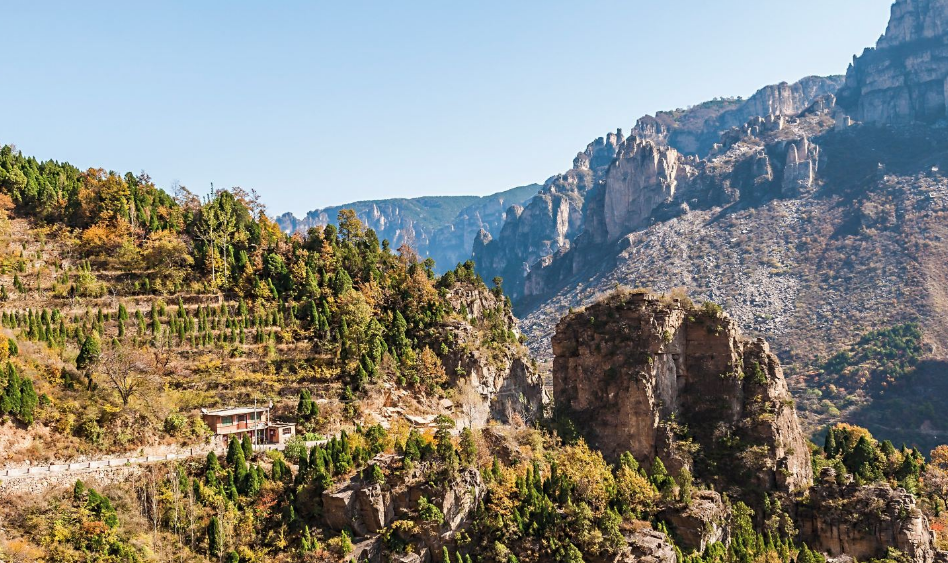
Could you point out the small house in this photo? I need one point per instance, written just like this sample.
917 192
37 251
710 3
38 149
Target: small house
238 422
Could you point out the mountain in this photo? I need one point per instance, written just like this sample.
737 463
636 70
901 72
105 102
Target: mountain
903 80
440 227
697 129
816 219
552 221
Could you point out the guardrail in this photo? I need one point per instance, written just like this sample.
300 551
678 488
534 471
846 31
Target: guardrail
52 469
57 468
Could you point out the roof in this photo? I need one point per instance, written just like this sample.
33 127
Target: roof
234 411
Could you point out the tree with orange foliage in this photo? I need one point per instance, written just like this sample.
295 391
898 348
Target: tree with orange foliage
935 479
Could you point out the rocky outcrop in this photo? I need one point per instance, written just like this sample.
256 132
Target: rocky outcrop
695 130
646 546
863 522
642 177
799 175
661 378
547 224
703 522
366 508
504 379
648 183
905 78
530 233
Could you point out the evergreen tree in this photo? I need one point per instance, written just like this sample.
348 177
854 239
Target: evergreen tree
28 401
863 461
247 446
829 444
233 446
215 538
89 352
468 448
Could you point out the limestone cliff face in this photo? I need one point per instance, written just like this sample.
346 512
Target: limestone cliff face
502 376
905 78
862 522
540 229
663 379
642 176
648 183
694 131
548 223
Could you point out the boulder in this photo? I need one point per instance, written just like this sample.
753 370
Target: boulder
375 508
339 508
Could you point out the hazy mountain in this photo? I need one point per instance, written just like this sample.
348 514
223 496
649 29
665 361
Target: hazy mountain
440 227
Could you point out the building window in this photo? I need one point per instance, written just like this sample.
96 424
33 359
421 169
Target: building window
227 421
286 431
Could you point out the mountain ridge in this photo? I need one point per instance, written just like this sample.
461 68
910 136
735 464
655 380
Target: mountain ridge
440 227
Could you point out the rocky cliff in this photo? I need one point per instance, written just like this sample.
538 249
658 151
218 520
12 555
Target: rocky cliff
864 522
905 78
617 184
660 378
504 379
648 183
368 508
549 220
694 131
443 228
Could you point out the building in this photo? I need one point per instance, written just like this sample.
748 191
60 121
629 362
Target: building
253 421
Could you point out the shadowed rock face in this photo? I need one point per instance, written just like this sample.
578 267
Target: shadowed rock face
664 379
905 78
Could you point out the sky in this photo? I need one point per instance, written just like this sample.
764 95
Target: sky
322 103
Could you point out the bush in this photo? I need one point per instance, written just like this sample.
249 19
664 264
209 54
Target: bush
175 423
429 512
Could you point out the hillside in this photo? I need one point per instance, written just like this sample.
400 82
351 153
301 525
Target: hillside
442 228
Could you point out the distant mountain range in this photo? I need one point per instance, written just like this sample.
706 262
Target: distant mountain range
440 227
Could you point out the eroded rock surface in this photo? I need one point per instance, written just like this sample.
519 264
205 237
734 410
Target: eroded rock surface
863 522
661 378
504 378
904 78
366 508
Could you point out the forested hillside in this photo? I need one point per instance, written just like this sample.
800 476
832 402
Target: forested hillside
135 309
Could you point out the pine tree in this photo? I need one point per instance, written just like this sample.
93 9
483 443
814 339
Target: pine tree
829 445
232 448
468 448
215 538
89 352
28 401
247 446
12 395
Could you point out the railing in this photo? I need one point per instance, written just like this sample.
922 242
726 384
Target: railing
38 470
57 468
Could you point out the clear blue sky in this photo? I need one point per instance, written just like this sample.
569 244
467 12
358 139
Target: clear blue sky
320 103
